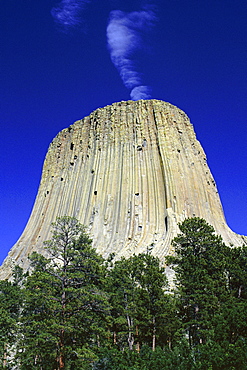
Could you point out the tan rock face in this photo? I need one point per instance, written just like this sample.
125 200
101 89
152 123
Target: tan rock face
130 172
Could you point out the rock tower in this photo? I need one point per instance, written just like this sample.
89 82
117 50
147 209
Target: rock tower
129 172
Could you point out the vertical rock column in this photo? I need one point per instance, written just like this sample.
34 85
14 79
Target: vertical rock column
129 172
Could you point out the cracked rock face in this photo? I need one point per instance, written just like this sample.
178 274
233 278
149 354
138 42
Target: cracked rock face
129 172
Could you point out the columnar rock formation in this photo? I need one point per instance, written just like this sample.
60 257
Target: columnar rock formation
130 172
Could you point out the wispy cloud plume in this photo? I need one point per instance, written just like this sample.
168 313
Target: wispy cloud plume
125 39
68 13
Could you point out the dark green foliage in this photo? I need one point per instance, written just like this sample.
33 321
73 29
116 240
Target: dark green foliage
78 311
65 307
200 265
233 324
211 284
142 313
179 358
10 306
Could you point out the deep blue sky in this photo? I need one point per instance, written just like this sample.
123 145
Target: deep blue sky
195 58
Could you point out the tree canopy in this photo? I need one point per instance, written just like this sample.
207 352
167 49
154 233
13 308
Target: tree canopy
76 310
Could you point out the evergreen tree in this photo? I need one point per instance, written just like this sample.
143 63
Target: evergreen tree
232 325
65 306
201 267
141 310
10 306
211 283
75 312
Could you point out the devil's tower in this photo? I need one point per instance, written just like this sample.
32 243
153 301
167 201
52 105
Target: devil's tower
130 172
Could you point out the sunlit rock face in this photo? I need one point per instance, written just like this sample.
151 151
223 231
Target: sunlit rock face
129 172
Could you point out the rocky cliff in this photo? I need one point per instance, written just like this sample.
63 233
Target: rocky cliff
130 172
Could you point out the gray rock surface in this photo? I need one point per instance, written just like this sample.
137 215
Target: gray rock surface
129 172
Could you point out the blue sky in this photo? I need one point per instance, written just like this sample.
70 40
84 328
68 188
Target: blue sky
189 53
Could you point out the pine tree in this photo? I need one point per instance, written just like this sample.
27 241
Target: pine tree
233 324
10 307
211 284
65 306
201 268
141 311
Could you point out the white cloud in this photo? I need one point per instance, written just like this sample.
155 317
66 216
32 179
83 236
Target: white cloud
69 12
125 38
124 32
140 92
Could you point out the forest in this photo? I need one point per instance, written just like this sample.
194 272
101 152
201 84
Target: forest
75 310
